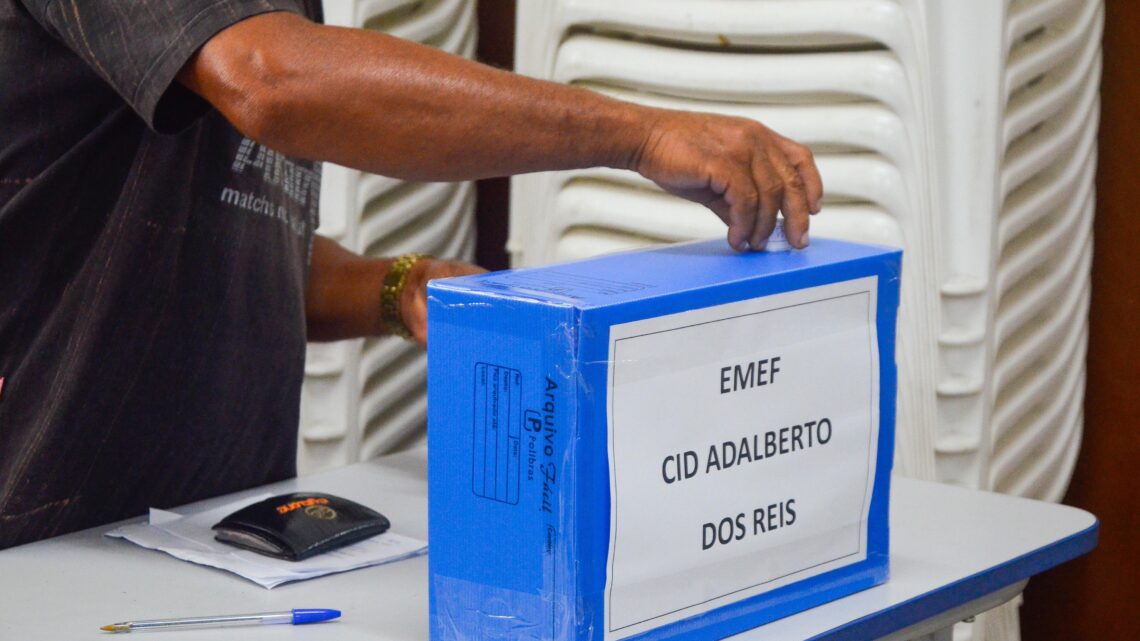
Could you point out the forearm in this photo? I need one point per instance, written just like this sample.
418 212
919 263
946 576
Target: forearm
401 109
343 295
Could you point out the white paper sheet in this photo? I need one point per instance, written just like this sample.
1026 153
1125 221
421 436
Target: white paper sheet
724 482
189 537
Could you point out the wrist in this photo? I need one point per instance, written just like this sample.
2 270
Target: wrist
634 129
602 131
397 294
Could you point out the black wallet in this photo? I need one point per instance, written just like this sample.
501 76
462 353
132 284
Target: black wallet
299 525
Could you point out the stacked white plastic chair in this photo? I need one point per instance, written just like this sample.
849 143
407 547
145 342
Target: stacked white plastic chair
1017 188
366 397
844 76
962 131
1016 279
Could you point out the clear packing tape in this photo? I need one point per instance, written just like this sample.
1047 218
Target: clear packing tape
676 441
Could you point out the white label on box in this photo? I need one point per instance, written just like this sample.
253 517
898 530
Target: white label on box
742 441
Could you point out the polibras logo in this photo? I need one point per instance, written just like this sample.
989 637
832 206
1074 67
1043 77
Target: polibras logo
316 507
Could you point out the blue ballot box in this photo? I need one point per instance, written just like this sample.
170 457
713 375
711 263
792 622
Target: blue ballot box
679 441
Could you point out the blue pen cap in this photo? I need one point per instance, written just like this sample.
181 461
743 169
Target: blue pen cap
313 615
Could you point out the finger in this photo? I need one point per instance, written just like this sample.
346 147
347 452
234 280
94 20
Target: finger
413 302
795 204
455 268
415 320
743 202
723 210
418 326
804 162
736 206
771 187
736 240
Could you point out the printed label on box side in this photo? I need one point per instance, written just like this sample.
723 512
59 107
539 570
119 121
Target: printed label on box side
497 421
742 443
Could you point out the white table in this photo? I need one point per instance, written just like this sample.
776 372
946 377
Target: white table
954 553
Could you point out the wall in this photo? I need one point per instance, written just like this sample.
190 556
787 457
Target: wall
1098 597
496 47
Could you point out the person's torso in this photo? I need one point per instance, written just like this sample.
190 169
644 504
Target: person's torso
151 300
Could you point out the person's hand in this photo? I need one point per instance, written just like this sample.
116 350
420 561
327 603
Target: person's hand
738 168
413 300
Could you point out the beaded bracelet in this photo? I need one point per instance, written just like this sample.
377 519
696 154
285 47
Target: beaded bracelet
390 317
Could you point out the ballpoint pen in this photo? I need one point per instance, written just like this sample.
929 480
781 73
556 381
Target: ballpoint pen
295 617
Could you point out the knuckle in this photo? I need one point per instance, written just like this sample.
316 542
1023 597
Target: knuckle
786 172
750 200
773 190
740 152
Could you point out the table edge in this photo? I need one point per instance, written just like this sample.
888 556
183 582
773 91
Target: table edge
926 605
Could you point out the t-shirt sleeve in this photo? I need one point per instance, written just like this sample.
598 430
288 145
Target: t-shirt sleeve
139 46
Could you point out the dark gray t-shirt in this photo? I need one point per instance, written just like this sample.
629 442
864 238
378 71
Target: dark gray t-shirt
152 269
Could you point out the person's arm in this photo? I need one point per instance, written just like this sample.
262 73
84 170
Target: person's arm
397 108
343 295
